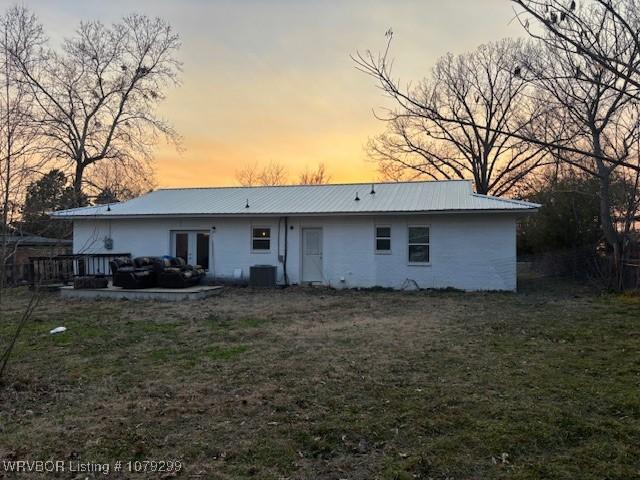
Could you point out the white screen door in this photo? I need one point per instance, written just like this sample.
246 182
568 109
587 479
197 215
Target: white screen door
312 255
192 246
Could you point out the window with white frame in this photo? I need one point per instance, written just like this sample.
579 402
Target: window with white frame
418 244
383 239
261 239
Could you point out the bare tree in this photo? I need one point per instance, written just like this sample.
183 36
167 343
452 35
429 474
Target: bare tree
18 146
269 175
602 32
460 123
596 112
118 183
99 93
27 314
539 134
319 176
19 132
247 176
273 174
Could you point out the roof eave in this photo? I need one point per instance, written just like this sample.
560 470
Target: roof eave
524 209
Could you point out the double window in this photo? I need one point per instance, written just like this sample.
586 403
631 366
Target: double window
383 239
261 239
418 244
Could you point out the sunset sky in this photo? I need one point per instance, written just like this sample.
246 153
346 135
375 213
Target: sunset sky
272 81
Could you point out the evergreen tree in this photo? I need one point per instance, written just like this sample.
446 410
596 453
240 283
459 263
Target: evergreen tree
49 193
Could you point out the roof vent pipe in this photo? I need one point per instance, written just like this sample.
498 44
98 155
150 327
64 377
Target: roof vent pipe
247 204
373 190
357 199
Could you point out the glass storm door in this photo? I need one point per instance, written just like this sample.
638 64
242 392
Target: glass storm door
192 247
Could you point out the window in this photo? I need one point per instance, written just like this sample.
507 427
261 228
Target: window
419 244
261 239
383 239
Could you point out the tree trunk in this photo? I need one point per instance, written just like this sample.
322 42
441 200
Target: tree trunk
609 230
77 184
480 177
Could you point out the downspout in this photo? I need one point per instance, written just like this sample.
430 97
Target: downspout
284 260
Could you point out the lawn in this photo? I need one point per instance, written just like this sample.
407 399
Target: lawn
323 384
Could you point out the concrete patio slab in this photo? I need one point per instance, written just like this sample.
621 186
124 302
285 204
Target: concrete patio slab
197 292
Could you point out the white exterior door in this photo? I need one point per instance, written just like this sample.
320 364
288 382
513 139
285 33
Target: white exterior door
312 255
192 246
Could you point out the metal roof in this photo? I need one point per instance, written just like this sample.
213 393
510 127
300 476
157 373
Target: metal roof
397 197
34 240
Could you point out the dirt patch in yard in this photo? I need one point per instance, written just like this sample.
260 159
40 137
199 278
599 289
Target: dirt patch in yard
316 383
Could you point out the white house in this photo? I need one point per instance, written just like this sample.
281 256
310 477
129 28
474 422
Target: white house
436 234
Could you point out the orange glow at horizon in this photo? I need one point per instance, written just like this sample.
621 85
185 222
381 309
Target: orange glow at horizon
205 163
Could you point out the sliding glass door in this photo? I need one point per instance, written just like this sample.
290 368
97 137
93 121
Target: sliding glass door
192 246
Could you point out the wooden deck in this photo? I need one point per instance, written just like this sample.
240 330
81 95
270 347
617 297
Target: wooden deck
197 292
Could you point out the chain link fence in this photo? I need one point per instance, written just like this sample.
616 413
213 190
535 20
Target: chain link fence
584 265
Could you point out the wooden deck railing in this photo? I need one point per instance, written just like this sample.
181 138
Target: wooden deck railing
62 268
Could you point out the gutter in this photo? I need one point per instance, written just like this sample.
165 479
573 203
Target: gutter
531 209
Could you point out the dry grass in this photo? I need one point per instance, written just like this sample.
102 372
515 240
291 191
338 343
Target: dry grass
324 384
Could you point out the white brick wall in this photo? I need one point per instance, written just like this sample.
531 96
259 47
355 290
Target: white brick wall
468 251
